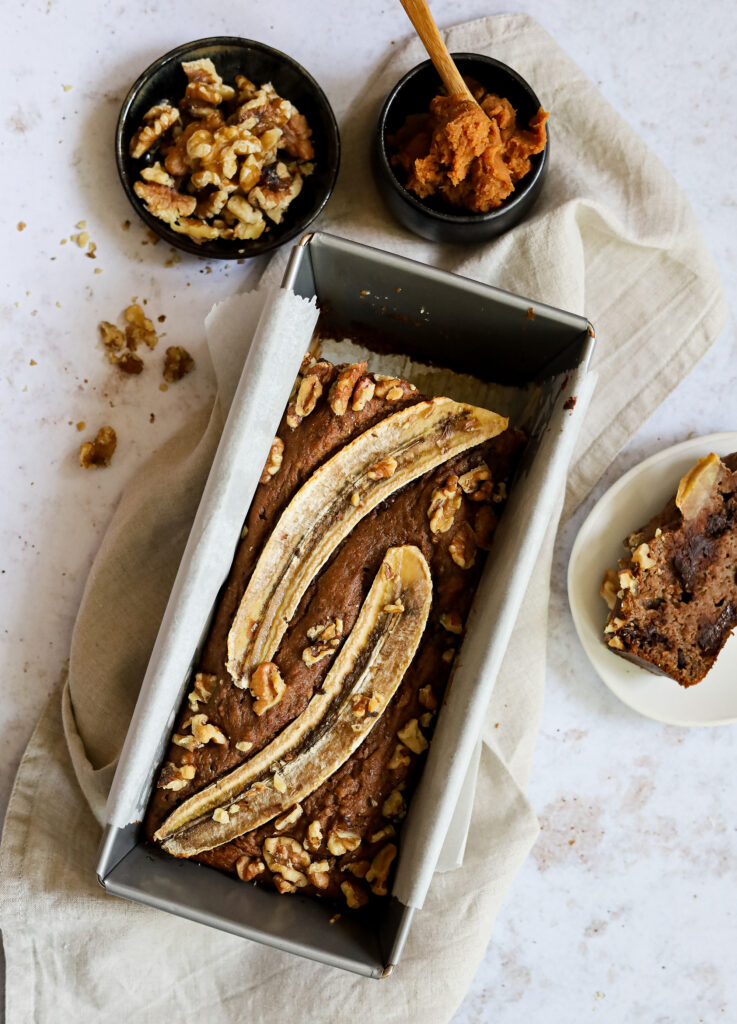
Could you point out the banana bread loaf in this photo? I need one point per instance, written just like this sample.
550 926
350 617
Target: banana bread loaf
295 752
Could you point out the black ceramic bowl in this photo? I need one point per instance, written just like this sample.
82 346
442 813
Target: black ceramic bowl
232 56
434 218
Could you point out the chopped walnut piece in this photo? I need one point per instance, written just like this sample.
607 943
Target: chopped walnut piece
316 652
609 587
342 388
177 363
112 337
476 484
287 857
626 580
288 819
463 547
293 420
164 202
452 622
204 732
387 832
394 805
296 137
383 469
641 557
175 777
378 873
448 655
412 737
357 868
267 686
221 816
204 85
157 120
426 719
319 873
244 746
617 643
362 393
188 742
277 188
309 392
314 835
343 840
355 896
427 697
283 886
329 630
278 782
139 329
128 362
248 867
385 385
100 451
444 503
399 759
274 461
251 223
500 492
211 204
308 360
204 685
394 394
157 174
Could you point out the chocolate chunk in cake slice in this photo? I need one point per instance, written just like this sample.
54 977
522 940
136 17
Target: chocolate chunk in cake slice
674 599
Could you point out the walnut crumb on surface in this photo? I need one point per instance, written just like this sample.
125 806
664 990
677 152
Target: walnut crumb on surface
100 451
177 363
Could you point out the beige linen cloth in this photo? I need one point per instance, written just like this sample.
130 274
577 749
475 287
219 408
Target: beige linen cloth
612 237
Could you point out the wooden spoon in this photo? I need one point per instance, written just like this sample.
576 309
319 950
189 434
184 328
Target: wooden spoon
424 23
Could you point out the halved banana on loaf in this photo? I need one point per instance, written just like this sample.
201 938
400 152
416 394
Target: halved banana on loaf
357 689
336 497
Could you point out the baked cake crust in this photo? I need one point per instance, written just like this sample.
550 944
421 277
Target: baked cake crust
341 839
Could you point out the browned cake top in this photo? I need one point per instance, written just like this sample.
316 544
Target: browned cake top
329 841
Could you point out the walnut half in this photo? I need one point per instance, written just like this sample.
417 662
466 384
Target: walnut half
100 451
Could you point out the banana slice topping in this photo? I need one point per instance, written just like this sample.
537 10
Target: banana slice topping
330 504
355 692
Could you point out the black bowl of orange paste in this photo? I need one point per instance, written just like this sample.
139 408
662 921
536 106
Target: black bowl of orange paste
455 196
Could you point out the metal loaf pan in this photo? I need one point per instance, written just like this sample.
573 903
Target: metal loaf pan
440 318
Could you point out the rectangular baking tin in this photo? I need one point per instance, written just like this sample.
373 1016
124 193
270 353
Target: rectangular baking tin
436 317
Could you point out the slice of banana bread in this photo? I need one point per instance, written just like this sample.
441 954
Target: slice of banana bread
674 599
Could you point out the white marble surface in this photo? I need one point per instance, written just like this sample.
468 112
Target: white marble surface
625 909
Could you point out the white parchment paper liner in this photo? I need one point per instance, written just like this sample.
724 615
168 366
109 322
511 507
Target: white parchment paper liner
284 328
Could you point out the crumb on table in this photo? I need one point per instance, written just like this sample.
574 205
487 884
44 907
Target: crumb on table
177 363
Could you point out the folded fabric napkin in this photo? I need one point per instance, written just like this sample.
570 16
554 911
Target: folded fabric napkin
611 237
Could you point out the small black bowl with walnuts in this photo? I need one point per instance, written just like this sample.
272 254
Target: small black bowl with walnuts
227 148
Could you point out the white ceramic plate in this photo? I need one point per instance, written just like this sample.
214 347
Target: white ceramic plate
630 502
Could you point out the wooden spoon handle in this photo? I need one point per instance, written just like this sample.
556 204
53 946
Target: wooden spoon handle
424 23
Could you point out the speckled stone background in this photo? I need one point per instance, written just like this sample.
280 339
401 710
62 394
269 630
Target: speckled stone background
625 910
